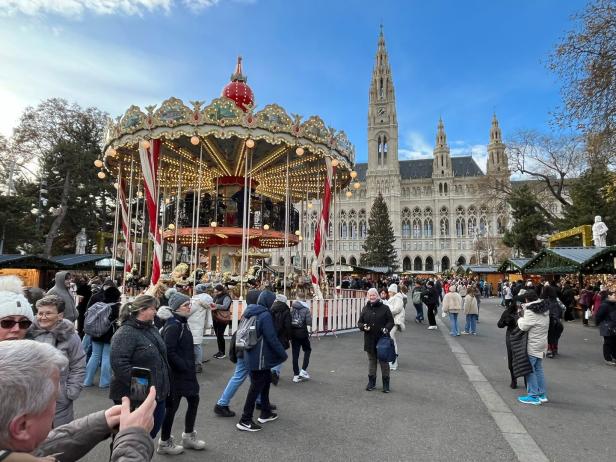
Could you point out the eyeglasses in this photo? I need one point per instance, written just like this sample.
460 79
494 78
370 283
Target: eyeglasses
10 323
46 315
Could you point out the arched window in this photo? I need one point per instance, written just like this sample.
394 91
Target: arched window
429 264
353 230
363 232
328 261
428 227
281 261
483 227
417 264
461 260
342 261
445 263
353 261
406 228
440 188
459 227
416 228
406 264
445 188
473 260
500 224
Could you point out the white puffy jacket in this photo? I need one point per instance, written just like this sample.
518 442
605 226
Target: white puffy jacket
537 325
396 305
199 314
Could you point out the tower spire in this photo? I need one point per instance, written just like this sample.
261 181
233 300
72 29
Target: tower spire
495 131
441 136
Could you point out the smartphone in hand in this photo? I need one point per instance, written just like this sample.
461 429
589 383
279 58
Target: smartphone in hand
140 383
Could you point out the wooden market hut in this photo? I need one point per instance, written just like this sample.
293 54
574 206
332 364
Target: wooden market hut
574 261
513 268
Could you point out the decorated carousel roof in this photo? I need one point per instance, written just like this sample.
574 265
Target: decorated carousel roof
209 142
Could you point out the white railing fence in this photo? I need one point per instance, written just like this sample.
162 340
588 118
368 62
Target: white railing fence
328 316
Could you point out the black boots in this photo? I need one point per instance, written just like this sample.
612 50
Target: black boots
514 382
371 383
385 384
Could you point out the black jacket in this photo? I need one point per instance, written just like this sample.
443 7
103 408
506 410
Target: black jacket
378 316
138 344
519 355
430 297
605 315
181 356
281 315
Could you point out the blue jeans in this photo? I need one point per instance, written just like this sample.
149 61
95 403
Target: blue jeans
236 380
198 353
419 309
471 323
535 381
159 417
453 320
100 357
277 368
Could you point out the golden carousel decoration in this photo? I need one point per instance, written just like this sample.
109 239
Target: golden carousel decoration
205 183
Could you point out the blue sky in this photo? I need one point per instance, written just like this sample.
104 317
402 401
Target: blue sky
461 60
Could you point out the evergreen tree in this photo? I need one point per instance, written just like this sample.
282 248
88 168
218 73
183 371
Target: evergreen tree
528 222
590 197
378 246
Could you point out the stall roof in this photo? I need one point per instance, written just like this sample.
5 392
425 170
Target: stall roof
513 265
340 268
569 260
87 260
26 261
481 269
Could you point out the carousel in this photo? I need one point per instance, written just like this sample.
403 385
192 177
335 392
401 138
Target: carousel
215 187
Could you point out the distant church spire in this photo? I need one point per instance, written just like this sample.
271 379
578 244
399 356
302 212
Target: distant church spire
497 158
441 165
441 136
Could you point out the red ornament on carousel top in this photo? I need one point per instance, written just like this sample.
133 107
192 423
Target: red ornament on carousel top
238 90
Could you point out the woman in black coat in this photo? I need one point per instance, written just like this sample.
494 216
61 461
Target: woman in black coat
281 315
606 318
137 343
509 319
183 377
375 321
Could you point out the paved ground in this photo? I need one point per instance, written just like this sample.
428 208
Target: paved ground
433 413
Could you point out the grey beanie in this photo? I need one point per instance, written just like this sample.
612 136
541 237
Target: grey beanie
200 289
176 300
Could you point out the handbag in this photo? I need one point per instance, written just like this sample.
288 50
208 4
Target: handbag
222 315
385 349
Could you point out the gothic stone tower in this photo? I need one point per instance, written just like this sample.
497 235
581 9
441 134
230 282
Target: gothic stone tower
383 173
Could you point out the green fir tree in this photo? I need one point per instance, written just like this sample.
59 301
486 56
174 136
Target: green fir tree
528 222
378 246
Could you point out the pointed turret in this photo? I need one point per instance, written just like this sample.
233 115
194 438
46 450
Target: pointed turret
381 87
441 166
497 158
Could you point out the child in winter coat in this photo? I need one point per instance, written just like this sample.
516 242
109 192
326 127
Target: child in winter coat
199 314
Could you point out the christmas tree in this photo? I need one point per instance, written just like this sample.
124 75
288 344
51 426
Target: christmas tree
378 246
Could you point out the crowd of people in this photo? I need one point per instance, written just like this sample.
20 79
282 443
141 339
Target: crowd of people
50 351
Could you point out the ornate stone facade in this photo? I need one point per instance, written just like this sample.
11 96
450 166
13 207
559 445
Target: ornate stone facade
441 213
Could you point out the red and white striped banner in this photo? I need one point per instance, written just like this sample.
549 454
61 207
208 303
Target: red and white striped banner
128 257
320 238
149 166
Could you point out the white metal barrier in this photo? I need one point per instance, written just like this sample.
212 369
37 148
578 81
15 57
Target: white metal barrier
328 316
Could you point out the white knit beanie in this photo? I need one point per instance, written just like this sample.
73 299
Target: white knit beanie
12 300
393 289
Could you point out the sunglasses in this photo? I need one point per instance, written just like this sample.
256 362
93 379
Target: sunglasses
10 323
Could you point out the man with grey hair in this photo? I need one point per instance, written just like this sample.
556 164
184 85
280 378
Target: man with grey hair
29 382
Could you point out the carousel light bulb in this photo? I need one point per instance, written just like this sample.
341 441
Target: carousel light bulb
250 143
194 140
297 233
357 185
116 185
145 144
353 174
349 194
299 151
98 163
335 162
171 226
167 201
101 175
139 194
301 238
113 152
265 227
310 204
213 224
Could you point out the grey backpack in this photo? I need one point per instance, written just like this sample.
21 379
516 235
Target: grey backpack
97 321
246 335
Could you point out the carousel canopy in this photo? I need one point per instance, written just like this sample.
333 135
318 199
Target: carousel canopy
201 144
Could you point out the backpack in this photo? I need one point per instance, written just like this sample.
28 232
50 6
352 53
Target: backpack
97 321
416 297
297 320
246 335
385 349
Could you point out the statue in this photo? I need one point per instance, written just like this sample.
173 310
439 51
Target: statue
81 241
599 232
491 256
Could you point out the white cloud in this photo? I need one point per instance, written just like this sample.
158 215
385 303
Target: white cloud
77 8
71 67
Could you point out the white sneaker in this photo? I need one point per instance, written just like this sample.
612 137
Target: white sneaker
169 447
432 327
304 374
190 441
297 379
